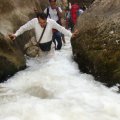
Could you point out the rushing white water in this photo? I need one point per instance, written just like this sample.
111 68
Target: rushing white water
54 89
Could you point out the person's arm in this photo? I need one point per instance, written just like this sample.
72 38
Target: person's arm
28 26
64 31
60 28
59 11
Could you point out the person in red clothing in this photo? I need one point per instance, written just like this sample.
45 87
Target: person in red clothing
73 12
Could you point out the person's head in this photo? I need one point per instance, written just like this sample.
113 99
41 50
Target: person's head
42 19
52 3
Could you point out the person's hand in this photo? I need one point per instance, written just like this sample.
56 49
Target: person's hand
12 36
75 33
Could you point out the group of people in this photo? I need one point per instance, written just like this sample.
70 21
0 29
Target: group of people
73 12
48 21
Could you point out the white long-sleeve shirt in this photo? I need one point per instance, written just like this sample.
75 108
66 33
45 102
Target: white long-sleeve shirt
47 36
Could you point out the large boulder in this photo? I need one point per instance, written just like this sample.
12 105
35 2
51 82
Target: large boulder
82 3
97 47
11 58
13 14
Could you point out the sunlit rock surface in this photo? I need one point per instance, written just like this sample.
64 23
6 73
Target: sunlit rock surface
82 3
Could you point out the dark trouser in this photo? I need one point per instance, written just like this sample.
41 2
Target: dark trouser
71 24
57 38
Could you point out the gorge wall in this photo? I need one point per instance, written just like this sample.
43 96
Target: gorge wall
97 47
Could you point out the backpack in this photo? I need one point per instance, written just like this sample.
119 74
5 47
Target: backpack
73 12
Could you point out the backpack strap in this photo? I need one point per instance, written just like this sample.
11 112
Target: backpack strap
59 17
48 13
42 34
58 13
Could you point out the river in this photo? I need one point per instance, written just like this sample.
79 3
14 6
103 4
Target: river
53 88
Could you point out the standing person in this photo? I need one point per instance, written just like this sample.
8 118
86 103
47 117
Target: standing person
64 6
73 12
38 24
54 12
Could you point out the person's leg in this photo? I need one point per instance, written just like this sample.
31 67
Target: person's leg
71 24
58 39
63 38
53 39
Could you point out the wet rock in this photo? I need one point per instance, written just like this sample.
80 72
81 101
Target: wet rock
11 58
97 47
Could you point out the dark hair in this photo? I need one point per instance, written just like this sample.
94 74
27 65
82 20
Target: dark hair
52 0
41 15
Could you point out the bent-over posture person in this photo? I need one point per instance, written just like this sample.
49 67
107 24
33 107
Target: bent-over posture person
38 24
